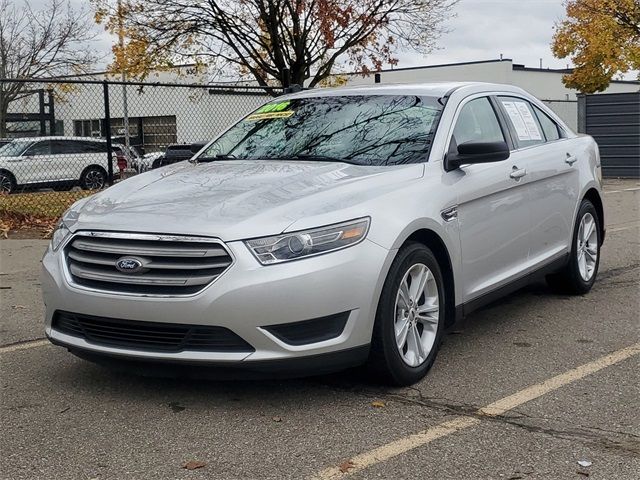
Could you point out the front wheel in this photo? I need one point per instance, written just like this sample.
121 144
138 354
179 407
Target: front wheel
93 178
579 275
410 318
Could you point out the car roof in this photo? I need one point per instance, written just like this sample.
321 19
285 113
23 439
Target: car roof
59 137
431 89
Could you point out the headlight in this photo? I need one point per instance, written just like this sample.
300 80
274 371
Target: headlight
305 243
69 219
59 235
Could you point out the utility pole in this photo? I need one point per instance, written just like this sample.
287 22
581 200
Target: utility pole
123 77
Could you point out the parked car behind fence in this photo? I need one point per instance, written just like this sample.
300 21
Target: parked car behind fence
58 161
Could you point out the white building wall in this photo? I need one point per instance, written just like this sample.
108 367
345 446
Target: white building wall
200 116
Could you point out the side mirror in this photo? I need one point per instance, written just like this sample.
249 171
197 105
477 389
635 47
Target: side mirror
477 152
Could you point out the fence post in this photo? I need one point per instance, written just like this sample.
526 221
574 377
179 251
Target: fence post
582 113
43 125
107 132
52 114
286 78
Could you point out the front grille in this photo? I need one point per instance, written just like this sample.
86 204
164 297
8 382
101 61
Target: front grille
166 265
152 336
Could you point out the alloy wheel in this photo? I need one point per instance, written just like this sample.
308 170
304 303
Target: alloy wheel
94 180
587 246
417 315
5 184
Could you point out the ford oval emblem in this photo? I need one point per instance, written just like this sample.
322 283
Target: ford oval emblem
128 265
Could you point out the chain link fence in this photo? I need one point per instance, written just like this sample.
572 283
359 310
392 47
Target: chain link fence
61 140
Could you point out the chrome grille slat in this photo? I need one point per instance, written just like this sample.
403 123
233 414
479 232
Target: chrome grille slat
126 248
140 279
170 266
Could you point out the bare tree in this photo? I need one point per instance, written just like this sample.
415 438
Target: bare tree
41 43
263 39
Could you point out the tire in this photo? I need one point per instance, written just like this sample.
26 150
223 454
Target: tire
7 183
93 178
579 275
389 363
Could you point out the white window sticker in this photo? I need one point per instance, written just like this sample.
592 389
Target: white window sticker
517 120
523 121
529 121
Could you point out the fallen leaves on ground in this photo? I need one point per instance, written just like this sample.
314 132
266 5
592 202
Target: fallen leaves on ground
344 467
10 222
194 465
378 404
277 419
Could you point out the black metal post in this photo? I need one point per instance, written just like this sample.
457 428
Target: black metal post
107 132
43 125
52 114
286 78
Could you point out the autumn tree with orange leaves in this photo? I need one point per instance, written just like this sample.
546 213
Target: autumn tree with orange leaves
265 39
602 38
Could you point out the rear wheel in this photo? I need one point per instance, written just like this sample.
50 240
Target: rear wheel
7 183
410 318
93 178
579 275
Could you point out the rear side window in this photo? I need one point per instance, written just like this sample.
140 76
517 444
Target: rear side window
477 122
549 127
59 147
523 121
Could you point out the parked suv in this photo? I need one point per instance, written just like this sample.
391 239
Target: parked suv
330 228
50 161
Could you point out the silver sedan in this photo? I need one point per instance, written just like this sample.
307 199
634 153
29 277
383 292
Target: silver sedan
328 229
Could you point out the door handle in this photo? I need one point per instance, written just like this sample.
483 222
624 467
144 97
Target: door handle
570 160
517 173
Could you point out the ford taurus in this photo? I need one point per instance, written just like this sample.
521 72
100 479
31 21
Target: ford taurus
328 229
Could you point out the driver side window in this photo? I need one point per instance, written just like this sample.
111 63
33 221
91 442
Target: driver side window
477 122
37 149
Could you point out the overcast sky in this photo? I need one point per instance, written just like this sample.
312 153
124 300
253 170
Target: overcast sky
481 30
484 29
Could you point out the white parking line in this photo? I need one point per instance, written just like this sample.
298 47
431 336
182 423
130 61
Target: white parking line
634 189
499 407
14 347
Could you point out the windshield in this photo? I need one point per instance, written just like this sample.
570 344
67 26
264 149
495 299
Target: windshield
14 149
363 130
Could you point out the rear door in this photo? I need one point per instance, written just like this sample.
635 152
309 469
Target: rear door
68 159
493 205
552 174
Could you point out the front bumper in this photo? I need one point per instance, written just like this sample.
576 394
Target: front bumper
245 299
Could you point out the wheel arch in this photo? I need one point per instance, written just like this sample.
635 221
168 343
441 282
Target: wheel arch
594 197
436 244
93 165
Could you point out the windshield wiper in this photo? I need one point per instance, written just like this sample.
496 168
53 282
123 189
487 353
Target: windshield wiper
319 158
219 156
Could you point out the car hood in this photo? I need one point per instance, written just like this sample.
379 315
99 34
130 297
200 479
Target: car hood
238 199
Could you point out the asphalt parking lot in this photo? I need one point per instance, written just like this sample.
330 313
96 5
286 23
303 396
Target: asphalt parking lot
524 389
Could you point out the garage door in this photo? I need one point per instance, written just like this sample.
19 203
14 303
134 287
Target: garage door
613 120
